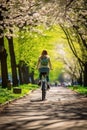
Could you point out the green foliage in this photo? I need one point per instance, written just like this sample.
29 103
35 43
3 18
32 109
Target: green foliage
7 95
80 89
29 45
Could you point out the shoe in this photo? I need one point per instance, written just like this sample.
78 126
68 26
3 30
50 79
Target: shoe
39 83
48 86
44 99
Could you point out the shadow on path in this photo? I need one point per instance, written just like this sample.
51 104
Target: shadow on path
33 114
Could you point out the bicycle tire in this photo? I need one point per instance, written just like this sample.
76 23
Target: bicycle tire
43 91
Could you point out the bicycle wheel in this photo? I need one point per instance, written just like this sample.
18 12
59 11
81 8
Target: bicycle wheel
43 91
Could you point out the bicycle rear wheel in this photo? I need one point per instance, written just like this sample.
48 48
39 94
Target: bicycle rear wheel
43 91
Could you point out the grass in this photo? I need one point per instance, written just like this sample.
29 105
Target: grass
80 89
7 95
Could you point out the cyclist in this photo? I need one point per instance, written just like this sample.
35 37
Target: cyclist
44 65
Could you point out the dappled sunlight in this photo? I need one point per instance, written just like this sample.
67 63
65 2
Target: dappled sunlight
26 28
45 116
34 114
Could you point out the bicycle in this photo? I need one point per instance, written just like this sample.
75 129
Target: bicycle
44 85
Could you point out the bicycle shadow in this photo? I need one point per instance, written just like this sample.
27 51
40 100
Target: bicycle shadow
35 100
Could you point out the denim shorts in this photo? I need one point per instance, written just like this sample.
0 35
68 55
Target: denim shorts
41 70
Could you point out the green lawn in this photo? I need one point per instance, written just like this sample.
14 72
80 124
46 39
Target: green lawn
80 89
7 95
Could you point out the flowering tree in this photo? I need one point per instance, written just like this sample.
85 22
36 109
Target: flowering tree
77 17
72 17
15 14
71 14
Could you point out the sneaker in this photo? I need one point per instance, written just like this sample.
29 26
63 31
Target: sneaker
39 83
48 86
44 99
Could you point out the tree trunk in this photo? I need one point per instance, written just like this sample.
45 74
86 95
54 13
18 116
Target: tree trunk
20 75
85 75
80 80
13 62
32 77
3 54
23 70
3 59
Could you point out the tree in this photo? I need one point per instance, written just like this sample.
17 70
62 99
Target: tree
3 54
15 13
72 15
13 61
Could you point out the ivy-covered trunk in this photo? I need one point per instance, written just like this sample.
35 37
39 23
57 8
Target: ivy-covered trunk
13 62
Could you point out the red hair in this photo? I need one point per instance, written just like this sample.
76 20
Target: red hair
44 52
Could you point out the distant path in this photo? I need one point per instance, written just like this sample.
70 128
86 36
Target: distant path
63 110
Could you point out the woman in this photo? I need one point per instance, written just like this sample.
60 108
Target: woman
44 65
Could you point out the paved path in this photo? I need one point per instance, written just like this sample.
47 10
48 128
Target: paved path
63 110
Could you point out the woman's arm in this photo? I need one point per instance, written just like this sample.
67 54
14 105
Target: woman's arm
50 65
38 62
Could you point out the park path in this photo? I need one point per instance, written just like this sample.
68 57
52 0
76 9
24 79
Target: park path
63 110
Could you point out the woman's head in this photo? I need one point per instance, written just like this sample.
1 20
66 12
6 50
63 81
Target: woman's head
44 52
